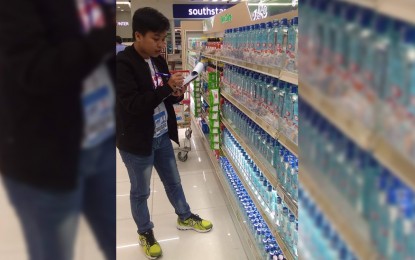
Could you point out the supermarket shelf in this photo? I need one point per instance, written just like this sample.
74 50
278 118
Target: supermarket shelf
366 138
290 145
364 3
287 253
258 120
270 71
339 212
399 9
205 97
402 166
351 127
247 240
265 167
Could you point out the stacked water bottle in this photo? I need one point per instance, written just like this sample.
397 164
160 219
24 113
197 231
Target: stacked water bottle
384 201
269 199
281 159
271 44
274 100
365 61
263 236
318 239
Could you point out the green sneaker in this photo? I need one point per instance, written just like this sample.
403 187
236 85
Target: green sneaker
150 246
196 223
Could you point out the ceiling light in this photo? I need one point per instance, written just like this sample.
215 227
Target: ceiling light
124 3
122 10
118 7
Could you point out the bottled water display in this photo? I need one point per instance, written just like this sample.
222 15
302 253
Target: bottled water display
264 239
384 202
274 100
363 61
318 239
265 193
271 44
284 163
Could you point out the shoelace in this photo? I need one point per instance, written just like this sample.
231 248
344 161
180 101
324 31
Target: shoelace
195 217
149 238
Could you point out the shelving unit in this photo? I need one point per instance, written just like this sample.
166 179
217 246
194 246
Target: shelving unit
288 255
399 9
265 167
287 143
368 139
340 214
241 17
247 239
269 71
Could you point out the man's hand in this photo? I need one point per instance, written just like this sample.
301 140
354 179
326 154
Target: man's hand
180 91
176 81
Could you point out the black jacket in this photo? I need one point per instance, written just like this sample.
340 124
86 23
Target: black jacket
44 57
136 101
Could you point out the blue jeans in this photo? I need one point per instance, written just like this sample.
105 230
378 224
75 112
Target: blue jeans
139 170
50 219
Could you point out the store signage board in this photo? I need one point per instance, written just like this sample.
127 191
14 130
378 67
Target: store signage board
226 18
123 23
233 17
197 11
261 10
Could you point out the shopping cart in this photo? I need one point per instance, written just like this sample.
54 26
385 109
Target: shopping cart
182 110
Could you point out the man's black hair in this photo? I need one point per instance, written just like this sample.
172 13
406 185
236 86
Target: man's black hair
118 39
149 19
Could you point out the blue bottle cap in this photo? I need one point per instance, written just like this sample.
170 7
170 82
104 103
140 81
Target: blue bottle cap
285 210
295 20
381 23
276 23
409 35
269 24
284 22
256 26
366 17
269 188
262 25
292 218
279 200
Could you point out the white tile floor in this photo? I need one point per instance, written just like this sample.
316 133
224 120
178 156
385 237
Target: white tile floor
205 198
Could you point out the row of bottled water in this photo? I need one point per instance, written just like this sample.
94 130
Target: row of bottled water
272 44
365 61
274 100
269 199
318 239
283 161
384 201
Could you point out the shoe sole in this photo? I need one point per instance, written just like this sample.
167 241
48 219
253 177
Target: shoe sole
192 228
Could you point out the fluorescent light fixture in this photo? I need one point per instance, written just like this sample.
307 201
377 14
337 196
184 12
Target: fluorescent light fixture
124 3
271 4
122 10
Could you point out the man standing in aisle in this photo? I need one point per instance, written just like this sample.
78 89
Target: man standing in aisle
146 122
57 126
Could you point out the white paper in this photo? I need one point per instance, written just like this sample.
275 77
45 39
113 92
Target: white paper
194 74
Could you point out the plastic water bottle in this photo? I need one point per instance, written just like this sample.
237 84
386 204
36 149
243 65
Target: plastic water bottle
292 46
270 45
281 35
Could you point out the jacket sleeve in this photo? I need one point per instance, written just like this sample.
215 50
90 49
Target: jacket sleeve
136 99
42 66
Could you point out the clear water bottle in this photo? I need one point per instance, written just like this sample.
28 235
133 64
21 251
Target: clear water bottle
270 45
292 45
280 42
